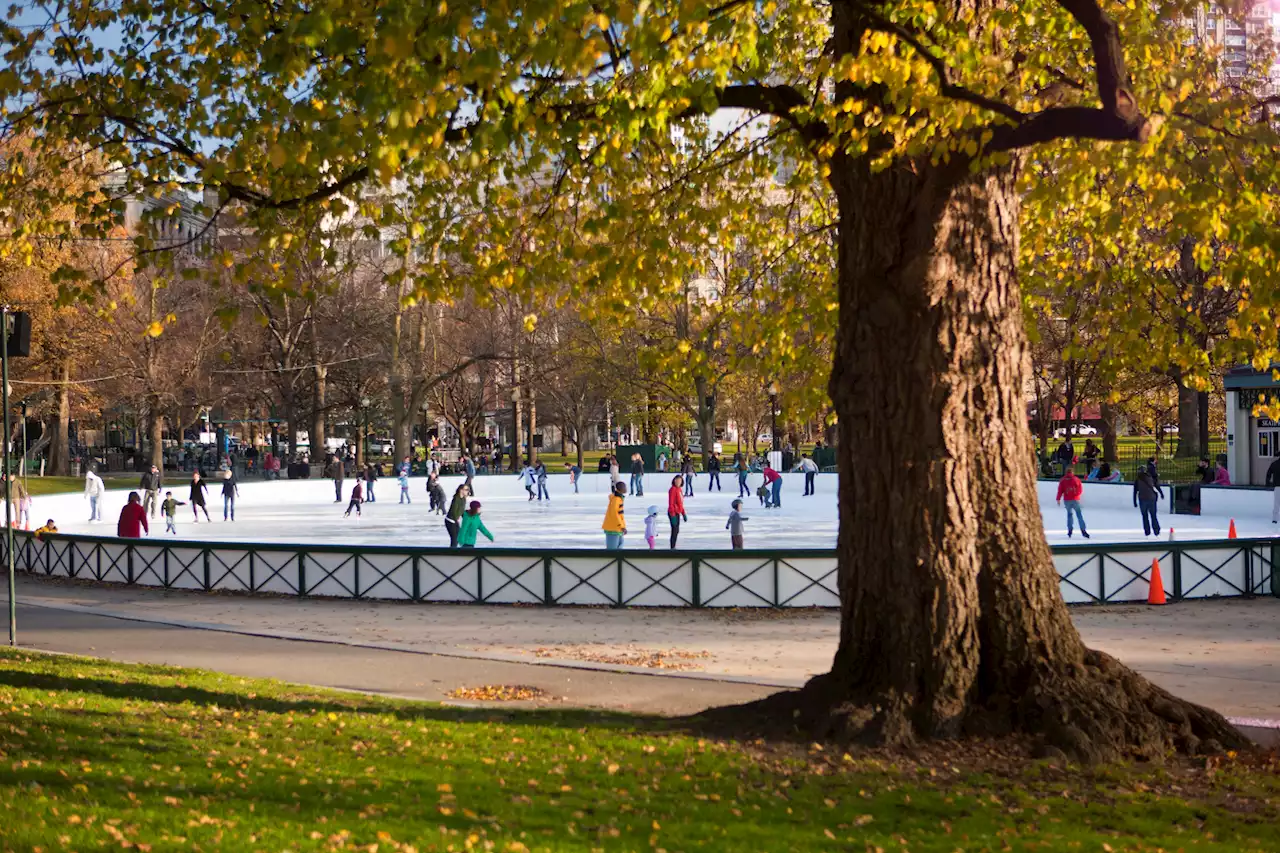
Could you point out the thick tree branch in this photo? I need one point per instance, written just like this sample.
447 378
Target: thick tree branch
780 101
1119 118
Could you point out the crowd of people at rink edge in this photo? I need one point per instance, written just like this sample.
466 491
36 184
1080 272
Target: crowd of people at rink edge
146 502
1147 490
462 520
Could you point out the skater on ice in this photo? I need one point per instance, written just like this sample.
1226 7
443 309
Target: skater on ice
615 523
734 525
675 507
471 524
197 497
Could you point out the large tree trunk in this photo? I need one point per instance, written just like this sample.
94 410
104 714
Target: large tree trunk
155 427
1202 408
60 442
318 406
951 616
1188 418
1110 447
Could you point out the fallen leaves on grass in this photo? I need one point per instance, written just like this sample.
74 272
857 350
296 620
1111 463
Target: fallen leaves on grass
633 656
498 693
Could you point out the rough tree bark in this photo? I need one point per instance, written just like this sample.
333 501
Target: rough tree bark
60 442
1110 447
318 412
1188 418
952 620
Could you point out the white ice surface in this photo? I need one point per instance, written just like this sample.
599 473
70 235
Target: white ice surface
304 511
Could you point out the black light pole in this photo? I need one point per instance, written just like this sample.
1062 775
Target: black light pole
8 484
773 414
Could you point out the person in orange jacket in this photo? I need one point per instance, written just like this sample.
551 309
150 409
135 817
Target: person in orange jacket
615 523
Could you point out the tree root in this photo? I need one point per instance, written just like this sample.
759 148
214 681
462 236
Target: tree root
1107 712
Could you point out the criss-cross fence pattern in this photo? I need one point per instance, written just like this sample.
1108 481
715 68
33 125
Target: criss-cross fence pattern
795 578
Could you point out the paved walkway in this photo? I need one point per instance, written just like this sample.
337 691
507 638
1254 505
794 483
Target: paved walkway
1224 654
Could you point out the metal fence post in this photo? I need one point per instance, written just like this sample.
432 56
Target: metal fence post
1248 572
1102 578
547 596
302 573
1275 569
1177 572
166 567
208 571
479 580
253 582
619 601
417 578
355 563
777 593
696 567
128 564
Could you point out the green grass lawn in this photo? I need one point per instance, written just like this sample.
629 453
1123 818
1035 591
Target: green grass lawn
98 755
54 485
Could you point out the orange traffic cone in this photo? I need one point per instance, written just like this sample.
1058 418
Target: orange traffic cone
1231 531
1155 591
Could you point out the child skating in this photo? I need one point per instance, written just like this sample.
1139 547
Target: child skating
404 488
357 498
734 525
170 507
471 525
435 492
651 526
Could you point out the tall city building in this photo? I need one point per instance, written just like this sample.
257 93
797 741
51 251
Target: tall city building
1245 33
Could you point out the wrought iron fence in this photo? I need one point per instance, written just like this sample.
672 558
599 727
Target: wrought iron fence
794 578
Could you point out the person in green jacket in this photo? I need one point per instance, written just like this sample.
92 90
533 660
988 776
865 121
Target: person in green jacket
471 523
453 519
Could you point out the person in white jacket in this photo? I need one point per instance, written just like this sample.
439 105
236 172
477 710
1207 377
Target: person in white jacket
93 489
810 469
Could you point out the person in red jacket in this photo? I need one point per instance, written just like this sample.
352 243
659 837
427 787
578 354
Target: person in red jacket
773 481
675 507
133 519
1070 489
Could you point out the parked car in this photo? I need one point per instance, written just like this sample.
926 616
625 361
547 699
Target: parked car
1080 429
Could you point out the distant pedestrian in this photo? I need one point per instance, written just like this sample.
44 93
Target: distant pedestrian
541 473
1220 476
469 468
93 490
615 478
471 525
575 473
1146 494
1070 489
197 497
651 526
615 523
403 480
151 485
133 519
1273 483
405 466
435 494
675 507
528 479
453 518
773 480
637 474
357 498
230 491
686 473
169 508
741 468
810 469
734 525
334 470
370 477
713 472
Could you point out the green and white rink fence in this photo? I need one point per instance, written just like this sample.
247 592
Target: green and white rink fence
1097 574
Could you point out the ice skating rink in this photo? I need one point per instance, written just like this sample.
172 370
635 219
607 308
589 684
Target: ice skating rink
304 511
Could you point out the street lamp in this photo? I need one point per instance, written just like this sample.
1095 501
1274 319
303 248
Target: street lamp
363 448
773 414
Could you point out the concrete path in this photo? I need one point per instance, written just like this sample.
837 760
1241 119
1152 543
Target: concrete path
1224 654
403 674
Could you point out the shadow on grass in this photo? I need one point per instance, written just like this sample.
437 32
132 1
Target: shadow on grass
402 709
